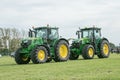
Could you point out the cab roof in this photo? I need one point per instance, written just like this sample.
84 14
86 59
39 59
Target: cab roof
91 28
45 27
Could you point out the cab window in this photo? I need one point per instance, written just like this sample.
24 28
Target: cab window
97 34
54 34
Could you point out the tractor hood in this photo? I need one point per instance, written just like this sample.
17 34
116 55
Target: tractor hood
82 40
32 39
28 41
85 40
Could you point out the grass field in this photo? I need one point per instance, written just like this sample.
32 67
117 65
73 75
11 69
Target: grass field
95 69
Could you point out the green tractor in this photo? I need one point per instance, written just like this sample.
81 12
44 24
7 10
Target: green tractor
43 45
89 43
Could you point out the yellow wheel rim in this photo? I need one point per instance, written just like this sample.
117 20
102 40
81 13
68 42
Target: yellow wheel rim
105 49
63 50
90 52
41 55
24 58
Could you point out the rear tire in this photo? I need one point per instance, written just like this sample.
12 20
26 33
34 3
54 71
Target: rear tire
88 52
104 49
62 51
21 59
39 55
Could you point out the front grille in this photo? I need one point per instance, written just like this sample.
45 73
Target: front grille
76 45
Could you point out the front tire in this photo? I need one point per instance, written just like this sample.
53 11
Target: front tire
49 59
39 55
73 56
20 58
104 49
88 52
62 51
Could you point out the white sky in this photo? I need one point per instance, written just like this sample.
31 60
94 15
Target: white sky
68 15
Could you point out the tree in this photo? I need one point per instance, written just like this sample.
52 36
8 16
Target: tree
10 39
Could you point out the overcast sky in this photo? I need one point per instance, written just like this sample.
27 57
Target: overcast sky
68 15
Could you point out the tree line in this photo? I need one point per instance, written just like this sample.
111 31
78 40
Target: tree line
10 39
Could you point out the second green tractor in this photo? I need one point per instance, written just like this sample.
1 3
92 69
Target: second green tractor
89 43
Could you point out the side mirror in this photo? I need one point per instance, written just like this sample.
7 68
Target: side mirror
30 33
97 31
77 33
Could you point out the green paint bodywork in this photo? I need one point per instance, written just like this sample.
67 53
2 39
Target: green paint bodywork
35 41
78 44
78 50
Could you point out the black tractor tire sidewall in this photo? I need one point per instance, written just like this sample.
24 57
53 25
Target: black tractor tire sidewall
34 55
18 58
85 53
49 59
57 54
102 54
73 56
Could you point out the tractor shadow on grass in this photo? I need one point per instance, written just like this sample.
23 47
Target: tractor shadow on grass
52 62
81 59
15 64
8 64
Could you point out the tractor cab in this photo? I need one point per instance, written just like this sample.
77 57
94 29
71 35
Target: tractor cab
47 34
91 33
44 32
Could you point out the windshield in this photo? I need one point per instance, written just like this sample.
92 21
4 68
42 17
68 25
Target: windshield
87 33
47 33
41 33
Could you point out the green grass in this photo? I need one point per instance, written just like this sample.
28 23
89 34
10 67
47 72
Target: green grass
95 69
